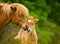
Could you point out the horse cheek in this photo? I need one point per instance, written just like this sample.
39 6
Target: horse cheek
15 19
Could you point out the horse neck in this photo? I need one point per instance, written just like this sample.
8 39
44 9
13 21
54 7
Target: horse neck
4 20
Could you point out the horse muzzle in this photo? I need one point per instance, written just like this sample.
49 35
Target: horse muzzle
26 28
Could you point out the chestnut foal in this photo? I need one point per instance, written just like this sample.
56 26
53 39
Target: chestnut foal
28 35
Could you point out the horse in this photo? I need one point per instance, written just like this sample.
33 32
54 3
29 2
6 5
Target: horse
28 36
12 12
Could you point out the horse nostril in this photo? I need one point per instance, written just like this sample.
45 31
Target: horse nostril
25 27
28 30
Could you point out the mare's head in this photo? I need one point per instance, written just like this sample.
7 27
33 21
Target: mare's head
30 25
19 12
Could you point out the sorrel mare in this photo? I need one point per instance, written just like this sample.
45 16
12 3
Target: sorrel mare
12 12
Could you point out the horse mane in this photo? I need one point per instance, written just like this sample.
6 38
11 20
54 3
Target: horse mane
21 9
5 9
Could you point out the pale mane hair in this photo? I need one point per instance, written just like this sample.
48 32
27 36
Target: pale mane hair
5 9
21 9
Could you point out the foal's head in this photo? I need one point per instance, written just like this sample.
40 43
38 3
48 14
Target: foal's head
30 25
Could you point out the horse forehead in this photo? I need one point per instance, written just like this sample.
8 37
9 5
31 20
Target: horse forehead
29 21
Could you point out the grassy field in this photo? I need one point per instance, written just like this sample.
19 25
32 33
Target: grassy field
45 35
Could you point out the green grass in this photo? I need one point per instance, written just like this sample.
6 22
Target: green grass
45 33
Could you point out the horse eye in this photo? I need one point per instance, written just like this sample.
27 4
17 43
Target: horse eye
32 23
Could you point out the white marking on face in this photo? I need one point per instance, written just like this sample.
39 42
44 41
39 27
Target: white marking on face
29 21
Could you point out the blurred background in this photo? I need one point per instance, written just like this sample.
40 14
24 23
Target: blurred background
48 26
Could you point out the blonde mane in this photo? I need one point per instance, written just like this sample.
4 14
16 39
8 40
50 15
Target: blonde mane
5 9
21 9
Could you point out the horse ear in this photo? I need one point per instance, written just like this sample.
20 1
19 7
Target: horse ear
35 20
13 8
